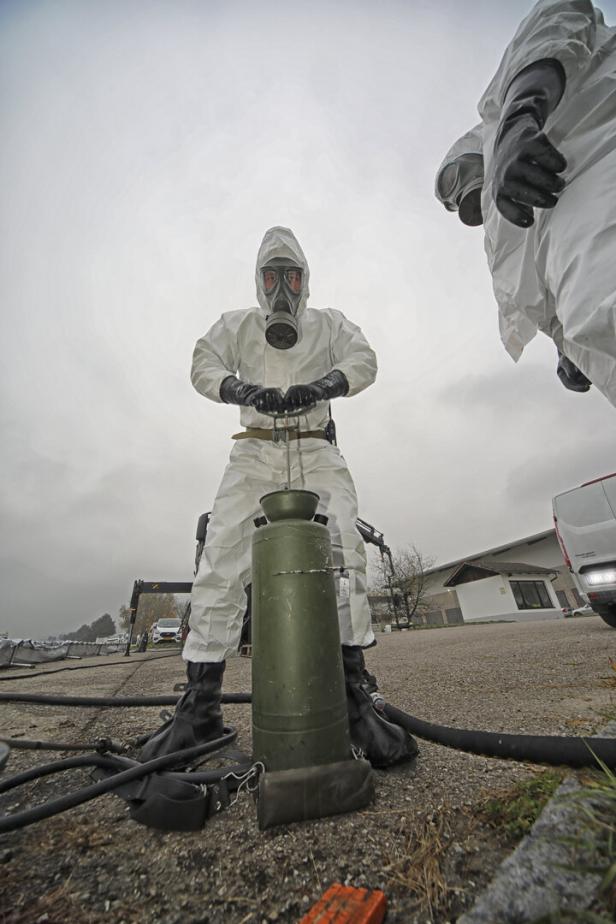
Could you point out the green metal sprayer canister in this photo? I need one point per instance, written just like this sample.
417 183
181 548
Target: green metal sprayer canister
299 709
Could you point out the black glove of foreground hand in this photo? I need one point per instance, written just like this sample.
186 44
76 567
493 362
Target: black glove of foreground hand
264 400
333 385
526 164
272 401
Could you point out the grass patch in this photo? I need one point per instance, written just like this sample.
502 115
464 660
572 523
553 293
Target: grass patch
597 800
610 680
515 810
419 864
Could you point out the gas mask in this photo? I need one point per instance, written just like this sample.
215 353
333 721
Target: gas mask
459 187
282 285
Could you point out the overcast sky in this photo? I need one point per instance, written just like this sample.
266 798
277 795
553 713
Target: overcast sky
146 148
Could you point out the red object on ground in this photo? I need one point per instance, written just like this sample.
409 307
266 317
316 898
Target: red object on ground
346 905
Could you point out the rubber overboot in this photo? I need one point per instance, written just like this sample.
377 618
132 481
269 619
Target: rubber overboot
383 742
198 716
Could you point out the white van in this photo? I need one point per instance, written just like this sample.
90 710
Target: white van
585 521
168 629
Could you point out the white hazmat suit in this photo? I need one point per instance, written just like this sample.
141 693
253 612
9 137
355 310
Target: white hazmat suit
559 276
523 305
571 246
236 344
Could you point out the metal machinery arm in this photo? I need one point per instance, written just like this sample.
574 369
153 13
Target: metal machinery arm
152 587
372 536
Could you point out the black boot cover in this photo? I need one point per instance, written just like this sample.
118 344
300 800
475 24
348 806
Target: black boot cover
198 714
383 742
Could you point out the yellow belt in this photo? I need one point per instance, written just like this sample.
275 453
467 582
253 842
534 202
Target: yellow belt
256 433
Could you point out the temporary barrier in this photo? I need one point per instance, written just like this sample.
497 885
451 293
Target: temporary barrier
16 652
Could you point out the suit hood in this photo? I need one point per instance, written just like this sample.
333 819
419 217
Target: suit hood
281 243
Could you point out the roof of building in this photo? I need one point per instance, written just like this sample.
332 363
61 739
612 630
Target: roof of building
528 540
492 567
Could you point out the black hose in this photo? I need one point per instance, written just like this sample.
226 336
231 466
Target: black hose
540 749
72 799
56 766
194 776
103 744
116 764
84 667
54 699
548 749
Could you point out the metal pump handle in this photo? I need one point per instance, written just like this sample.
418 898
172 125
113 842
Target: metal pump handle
281 434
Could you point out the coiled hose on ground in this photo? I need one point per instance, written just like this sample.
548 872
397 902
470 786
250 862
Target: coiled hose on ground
544 749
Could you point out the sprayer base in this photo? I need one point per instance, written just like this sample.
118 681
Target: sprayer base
285 796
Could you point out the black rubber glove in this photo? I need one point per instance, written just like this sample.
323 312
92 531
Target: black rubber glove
268 401
265 400
569 374
332 385
234 391
526 164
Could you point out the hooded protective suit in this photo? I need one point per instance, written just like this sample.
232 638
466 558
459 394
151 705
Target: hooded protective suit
522 300
236 343
559 276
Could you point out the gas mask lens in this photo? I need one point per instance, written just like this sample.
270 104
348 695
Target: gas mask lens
459 178
291 275
446 185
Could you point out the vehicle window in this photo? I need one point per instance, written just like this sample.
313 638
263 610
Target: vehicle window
585 506
168 623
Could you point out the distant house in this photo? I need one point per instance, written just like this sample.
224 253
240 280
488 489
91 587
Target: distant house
521 580
380 606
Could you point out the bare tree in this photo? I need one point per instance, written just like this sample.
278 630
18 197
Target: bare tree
403 578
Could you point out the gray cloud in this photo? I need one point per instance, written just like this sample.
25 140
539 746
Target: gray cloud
146 147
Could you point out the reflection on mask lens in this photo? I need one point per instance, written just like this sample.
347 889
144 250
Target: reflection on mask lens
292 275
294 279
270 278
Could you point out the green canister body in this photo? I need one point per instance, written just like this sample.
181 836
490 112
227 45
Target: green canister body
299 709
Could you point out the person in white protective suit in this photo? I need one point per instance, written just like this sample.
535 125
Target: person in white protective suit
280 356
522 300
548 140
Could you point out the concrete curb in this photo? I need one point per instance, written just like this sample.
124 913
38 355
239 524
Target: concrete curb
535 879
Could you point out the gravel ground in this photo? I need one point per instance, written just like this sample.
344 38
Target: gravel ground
423 841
